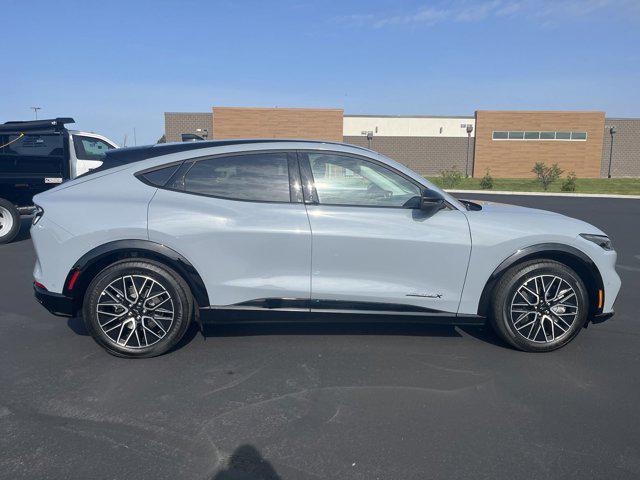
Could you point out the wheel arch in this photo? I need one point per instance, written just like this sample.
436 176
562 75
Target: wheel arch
92 262
579 261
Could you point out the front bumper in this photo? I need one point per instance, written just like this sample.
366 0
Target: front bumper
56 303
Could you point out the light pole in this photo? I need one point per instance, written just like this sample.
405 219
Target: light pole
612 131
469 130
35 110
369 135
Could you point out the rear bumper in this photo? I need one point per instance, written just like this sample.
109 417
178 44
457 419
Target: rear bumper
56 303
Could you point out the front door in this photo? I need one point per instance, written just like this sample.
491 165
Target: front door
371 250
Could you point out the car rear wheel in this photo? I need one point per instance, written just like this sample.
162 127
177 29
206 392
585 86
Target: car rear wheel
539 306
9 221
137 308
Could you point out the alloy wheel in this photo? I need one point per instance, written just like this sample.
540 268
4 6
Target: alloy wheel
544 308
135 311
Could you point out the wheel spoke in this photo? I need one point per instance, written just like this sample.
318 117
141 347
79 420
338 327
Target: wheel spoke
121 316
553 303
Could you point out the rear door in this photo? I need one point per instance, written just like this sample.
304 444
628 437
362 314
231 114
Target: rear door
372 250
241 221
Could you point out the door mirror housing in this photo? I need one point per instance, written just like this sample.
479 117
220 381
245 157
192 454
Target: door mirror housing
431 202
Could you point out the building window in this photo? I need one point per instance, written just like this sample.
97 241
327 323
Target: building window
578 135
564 136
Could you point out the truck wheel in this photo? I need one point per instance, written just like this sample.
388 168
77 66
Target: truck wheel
9 221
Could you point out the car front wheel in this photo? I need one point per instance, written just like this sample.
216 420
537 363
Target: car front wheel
137 308
539 306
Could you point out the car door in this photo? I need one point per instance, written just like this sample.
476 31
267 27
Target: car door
88 153
240 220
371 250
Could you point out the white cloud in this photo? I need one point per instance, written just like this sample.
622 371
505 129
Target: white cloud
461 11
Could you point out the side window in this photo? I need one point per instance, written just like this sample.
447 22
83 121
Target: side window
344 180
88 148
262 177
32 145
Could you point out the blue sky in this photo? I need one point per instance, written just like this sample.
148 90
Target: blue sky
118 65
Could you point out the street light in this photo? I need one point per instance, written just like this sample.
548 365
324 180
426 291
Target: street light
612 131
369 135
35 110
469 130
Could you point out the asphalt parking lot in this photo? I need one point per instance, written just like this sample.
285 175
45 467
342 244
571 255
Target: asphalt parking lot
386 401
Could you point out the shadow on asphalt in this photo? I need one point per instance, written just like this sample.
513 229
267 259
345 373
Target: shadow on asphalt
246 463
246 329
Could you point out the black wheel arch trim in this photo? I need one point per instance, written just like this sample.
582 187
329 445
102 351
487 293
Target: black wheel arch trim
552 251
135 249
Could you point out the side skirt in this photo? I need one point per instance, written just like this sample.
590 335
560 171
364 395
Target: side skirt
274 310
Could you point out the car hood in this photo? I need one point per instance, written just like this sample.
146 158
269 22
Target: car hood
502 215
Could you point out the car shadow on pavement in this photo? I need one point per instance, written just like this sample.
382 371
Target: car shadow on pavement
246 463
248 329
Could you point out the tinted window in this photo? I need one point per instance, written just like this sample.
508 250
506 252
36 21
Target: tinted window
547 135
578 135
500 135
88 148
532 135
259 177
344 180
161 176
563 135
32 145
516 135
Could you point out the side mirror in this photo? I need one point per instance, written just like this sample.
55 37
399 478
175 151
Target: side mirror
431 202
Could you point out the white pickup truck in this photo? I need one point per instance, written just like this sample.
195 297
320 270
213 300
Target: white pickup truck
37 155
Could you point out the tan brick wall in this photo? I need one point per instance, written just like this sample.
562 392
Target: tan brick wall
177 123
625 160
515 159
303 123
427 156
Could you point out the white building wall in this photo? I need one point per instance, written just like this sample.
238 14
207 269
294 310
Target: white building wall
354 125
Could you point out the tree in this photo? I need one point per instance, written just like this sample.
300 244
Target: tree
546 175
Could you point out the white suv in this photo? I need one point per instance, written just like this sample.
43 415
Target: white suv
222 230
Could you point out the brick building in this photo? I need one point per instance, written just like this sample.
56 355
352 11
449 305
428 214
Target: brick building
507 143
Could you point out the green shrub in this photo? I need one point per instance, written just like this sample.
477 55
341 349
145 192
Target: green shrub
569 184
487 181
546 175
450 178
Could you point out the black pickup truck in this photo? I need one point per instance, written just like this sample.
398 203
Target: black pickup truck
38 155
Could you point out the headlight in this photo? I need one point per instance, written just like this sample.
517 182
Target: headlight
600 240
38 215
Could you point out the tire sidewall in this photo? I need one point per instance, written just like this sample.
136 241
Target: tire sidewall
15 229
514 281
164 276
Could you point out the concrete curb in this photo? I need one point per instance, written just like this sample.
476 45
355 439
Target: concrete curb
547 194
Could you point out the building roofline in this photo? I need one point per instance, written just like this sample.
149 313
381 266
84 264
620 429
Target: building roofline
620 118
410 116
540 111
278 108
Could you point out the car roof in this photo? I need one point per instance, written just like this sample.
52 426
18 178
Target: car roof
122 156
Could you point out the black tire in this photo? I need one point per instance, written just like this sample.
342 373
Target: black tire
511 300
138 325
9 210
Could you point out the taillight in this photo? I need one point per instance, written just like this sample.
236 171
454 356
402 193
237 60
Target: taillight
38 215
